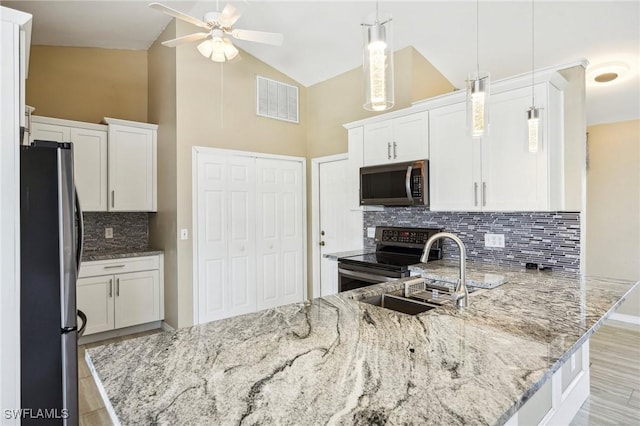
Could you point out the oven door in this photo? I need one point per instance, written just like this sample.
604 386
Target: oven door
350 277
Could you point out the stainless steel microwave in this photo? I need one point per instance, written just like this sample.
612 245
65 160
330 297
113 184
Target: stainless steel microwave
399 184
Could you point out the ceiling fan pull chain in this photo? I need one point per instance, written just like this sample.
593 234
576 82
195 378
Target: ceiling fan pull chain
221 95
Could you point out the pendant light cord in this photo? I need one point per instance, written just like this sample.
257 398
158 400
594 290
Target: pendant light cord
478 38
377 11
533 94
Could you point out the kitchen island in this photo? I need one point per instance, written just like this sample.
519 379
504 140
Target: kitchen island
337 360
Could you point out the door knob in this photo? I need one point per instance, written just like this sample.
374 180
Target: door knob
321 243
321 232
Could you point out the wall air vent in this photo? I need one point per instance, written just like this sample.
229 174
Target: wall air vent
277 100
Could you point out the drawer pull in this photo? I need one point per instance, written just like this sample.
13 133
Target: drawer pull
114 266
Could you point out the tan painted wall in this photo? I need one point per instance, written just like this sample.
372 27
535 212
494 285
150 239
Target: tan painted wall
339 100
201 97
87 84
162 110
613 205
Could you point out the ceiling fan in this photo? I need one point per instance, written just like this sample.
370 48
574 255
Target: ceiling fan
219 25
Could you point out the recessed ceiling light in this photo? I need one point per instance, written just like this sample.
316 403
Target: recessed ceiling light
608 73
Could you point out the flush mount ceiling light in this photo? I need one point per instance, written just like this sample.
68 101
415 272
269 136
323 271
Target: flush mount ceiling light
377 63
217 46
607 73
478 92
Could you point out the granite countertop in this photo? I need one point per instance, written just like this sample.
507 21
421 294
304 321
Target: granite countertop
336 360
478 275
359 252
118 254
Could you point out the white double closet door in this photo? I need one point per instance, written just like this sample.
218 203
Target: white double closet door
250 234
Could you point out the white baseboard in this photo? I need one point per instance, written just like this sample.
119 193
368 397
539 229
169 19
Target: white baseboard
630 319
166 327
83 340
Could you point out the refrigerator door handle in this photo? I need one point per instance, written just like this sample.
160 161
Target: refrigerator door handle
80 243
83 317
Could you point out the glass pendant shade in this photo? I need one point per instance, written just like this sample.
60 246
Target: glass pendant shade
477 100
378 66
534 129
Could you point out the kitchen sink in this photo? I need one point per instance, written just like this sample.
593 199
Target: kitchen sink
399 304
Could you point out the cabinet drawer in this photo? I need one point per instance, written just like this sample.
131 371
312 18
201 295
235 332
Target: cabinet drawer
118 266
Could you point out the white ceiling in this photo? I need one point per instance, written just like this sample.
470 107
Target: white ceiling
323 38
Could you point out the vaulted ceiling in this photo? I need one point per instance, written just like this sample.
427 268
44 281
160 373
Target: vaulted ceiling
323 38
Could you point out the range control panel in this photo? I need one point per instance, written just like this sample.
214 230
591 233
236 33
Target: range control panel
404 236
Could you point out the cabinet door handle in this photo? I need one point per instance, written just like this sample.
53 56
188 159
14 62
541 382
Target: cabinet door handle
113 266
117 286
394 151
110 287
388 150
113 198
484 194
475 193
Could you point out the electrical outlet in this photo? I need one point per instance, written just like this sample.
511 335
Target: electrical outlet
494 240
184 234
108 232
371 232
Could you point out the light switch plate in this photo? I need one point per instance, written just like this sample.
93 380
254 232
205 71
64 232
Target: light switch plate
184 234
371 232
494 240
108 232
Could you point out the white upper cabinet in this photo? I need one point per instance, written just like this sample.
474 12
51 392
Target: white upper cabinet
398 139
512 177
115 166
497 172
454 167
90 168
132 166
49 132
89 156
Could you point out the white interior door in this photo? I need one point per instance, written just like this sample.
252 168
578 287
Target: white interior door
340 226
212 211
280 232
241 294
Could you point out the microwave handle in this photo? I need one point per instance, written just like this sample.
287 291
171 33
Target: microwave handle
407 182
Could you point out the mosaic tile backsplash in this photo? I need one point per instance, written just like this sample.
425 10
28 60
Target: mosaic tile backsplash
130 232
547 238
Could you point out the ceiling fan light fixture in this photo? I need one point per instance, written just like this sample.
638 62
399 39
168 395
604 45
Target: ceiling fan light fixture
230 51
205 48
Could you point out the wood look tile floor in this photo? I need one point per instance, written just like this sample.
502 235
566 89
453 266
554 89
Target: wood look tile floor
615 380
615 377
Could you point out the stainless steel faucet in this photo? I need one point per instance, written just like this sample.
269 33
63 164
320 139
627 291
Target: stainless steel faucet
461 293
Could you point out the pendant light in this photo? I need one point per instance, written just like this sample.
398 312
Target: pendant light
377 63
534 133
478 88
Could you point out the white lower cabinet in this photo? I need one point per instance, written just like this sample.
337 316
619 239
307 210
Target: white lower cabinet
132 296
559 399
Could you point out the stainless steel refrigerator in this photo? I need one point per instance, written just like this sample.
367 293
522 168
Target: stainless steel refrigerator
50 251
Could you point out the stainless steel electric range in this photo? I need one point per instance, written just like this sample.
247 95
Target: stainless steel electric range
396 249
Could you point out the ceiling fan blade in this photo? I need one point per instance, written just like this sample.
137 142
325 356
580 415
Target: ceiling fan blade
178 14
258 36
229 15
185 39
